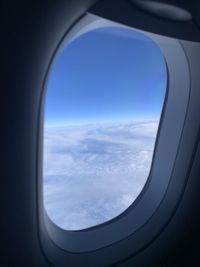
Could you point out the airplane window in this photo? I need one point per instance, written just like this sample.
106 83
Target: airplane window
104 100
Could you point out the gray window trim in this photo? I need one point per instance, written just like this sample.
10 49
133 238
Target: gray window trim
171 126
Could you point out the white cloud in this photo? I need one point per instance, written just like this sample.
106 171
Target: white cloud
92 173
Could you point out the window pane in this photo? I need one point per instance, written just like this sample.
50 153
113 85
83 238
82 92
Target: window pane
103 105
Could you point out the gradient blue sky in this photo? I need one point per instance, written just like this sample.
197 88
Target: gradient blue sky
106 75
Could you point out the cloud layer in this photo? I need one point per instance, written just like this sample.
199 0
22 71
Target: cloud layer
92 173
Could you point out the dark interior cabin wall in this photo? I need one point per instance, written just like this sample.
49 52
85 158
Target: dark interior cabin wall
31 31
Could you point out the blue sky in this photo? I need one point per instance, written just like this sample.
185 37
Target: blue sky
106 75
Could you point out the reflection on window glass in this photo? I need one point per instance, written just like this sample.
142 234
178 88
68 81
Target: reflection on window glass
102 109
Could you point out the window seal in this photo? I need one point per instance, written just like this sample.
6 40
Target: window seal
74 241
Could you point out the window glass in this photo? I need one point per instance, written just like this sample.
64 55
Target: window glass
103 104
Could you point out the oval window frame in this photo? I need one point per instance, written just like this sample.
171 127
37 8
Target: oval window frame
120 228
